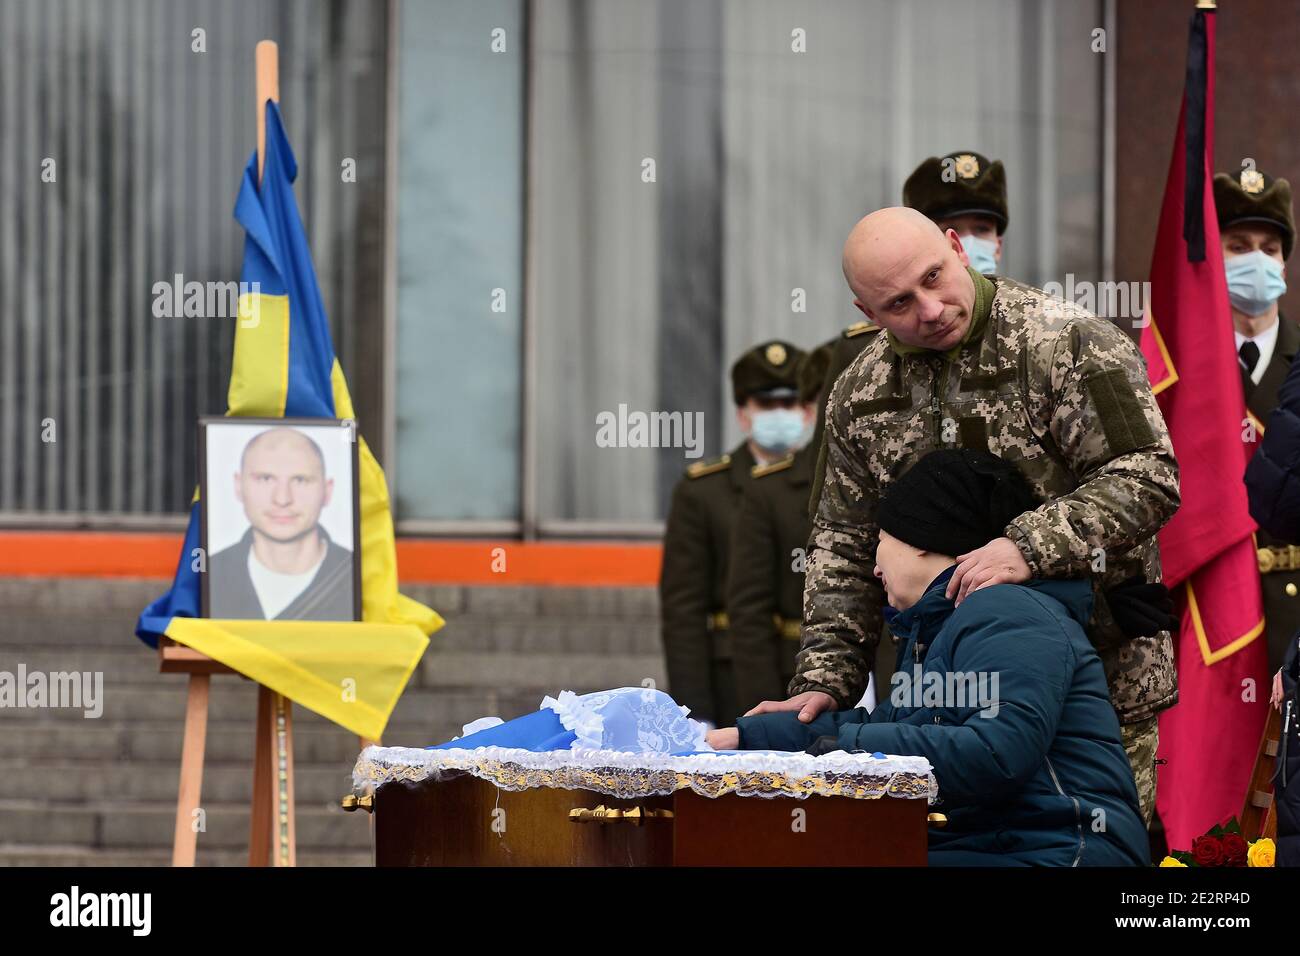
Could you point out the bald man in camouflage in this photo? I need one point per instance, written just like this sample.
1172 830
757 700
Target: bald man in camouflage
959 359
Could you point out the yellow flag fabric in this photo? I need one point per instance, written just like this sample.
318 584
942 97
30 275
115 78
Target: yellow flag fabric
351 673
258 388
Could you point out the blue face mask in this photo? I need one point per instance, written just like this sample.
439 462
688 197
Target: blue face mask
1254 281
778 429
981 252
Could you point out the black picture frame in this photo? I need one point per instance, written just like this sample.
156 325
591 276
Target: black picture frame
207 421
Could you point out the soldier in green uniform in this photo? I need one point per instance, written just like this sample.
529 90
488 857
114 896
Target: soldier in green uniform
966 193
769 537
1257 229
697 538
967 360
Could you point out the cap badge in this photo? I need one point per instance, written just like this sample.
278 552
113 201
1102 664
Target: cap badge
1252 181
966 166
775 353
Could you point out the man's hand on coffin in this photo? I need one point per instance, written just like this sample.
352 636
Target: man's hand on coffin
725 738
998 562
809 704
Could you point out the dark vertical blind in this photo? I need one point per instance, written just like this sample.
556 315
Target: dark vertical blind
148 139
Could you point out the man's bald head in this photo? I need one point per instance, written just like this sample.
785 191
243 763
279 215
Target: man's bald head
910 277
289 439
879 236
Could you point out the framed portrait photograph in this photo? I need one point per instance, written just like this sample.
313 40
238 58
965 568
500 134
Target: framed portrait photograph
280 519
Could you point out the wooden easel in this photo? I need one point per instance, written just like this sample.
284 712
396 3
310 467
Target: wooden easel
1258 813
271 837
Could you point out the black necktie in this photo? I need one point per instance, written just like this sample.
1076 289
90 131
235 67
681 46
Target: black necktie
1249 356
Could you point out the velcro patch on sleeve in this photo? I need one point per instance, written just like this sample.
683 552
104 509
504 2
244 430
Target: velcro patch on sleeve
1122 420
973 431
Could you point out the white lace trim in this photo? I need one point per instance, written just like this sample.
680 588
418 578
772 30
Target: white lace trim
578 717
631 775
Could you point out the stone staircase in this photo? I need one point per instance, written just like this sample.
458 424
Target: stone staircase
78 791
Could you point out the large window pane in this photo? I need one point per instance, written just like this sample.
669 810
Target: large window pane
459 255
764 158
148 126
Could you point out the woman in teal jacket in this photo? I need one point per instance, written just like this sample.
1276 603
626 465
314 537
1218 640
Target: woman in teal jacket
1003 694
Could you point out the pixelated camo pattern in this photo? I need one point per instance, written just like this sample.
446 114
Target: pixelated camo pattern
1047 385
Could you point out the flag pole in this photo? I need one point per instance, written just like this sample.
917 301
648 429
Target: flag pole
267 58
271 817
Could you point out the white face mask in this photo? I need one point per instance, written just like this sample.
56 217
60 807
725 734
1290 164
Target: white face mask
1254 281
778 430
981 252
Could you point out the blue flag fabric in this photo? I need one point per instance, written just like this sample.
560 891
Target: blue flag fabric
284 365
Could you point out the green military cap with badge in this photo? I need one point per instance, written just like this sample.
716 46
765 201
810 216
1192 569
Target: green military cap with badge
964 183
770 369
1254 197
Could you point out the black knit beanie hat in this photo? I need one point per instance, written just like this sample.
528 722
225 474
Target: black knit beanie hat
955 500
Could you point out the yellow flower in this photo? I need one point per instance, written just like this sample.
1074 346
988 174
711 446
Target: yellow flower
1170 861
1260 853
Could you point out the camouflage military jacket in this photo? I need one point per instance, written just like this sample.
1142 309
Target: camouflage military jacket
1040 382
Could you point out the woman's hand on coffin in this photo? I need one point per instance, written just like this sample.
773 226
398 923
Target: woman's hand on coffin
725 738
809 704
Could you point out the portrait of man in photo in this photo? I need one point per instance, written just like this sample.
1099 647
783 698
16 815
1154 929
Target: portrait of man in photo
285 566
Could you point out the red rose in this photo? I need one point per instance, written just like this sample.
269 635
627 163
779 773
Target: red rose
1207 851
1234 849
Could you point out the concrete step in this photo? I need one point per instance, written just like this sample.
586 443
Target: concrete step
26 854
121 596
162 698
61 783
315 743
547 672
27 632
100 824
423 716
120 600
440 669
91 740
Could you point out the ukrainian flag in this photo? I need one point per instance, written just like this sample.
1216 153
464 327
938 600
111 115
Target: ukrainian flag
284 365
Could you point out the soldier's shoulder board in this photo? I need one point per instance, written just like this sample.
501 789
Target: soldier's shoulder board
702 468
758 471
860 328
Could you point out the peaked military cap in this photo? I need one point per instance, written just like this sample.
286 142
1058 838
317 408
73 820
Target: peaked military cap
961 183
1253 196
767 367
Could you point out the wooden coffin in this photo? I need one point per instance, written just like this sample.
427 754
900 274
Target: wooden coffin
457 819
